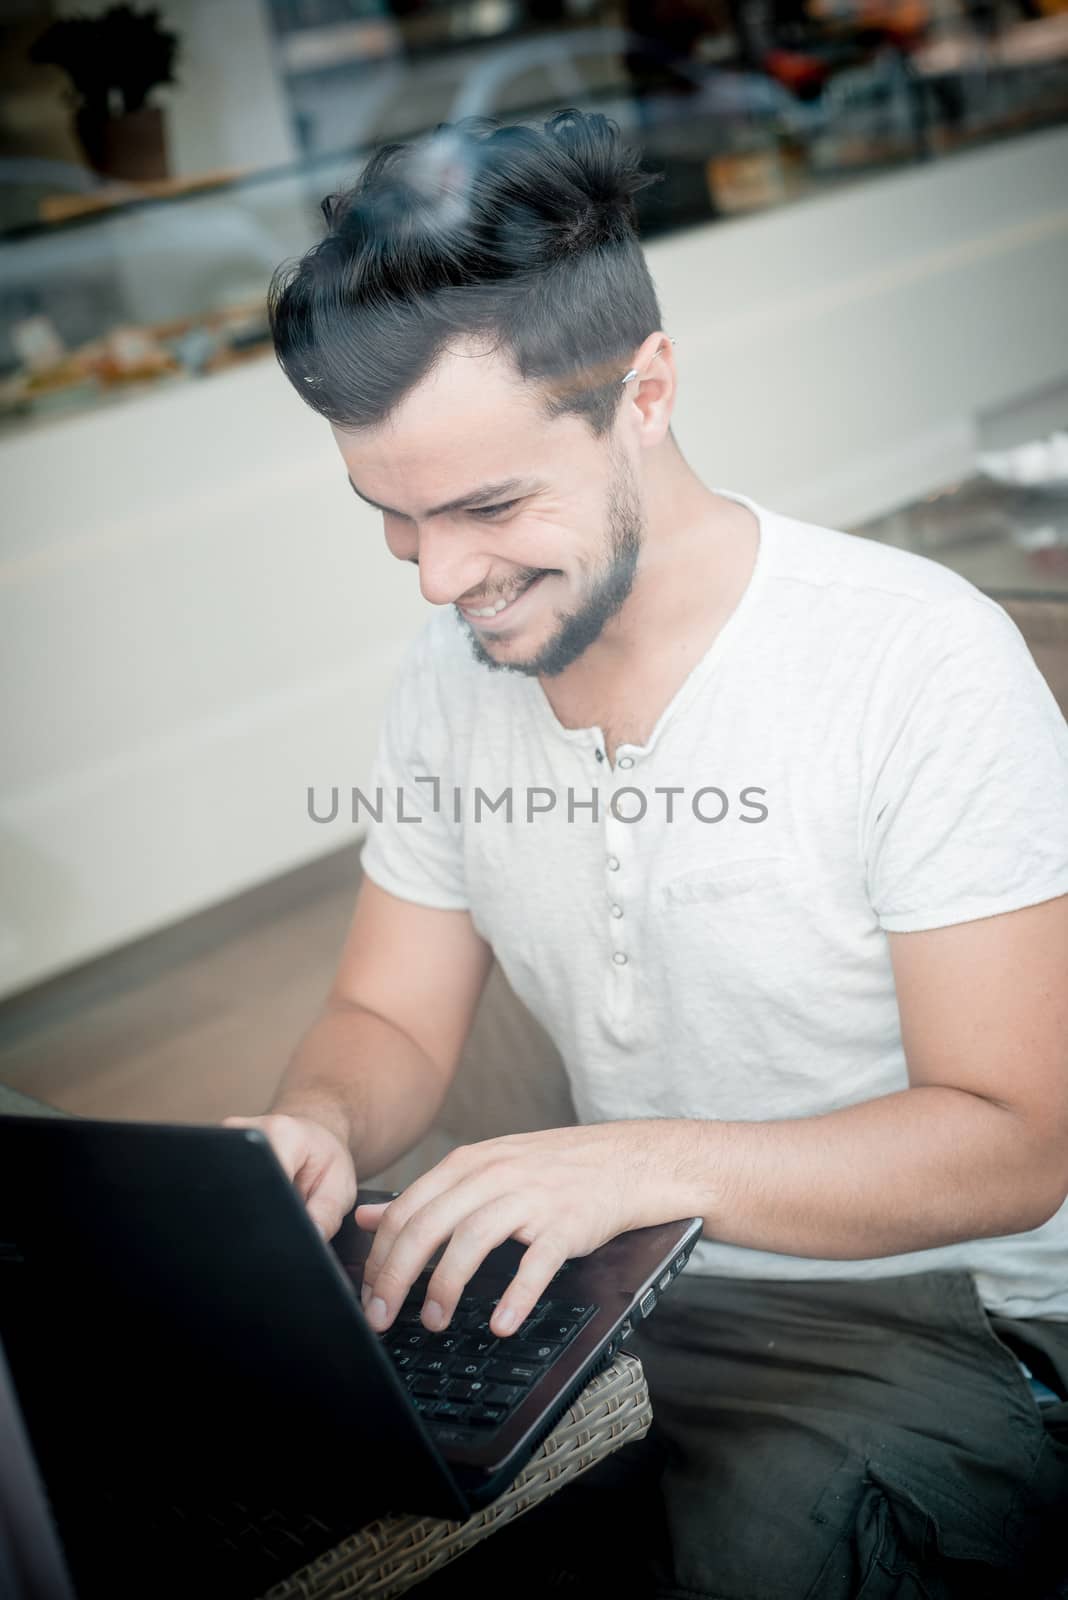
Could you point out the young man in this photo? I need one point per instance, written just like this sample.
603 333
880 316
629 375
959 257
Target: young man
768 825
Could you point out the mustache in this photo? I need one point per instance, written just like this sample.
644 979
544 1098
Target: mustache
489 598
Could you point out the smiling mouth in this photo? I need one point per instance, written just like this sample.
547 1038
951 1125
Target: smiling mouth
487 616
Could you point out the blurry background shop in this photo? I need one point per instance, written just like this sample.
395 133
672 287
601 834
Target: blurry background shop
233 117
861 244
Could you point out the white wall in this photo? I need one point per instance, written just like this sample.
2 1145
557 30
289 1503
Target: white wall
198 619
228 108
835 354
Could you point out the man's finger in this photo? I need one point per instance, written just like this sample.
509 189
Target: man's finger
541 1261
330 1199
368 1215
397 1214
409 1250
479 1233
394 1214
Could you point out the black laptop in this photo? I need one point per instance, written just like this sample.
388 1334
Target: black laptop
31 1562
205 1397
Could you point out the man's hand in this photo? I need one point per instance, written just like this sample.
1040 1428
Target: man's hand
561 1193
320 1167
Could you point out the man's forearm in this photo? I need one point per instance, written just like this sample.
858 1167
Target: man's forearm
367 1081
909 1171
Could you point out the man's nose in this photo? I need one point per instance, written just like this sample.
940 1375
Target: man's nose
448 568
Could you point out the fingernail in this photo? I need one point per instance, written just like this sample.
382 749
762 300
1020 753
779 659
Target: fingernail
377 1312
433 1315
505 1321
365 1294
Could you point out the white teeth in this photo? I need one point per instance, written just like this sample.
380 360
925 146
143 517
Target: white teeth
492 611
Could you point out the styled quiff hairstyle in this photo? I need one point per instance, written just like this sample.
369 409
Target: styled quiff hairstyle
524 236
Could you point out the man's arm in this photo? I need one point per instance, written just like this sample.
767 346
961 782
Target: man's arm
976 1147
376 1065
369 1078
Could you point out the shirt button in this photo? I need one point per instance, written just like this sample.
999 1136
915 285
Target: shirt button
599 754
613 863
617 911
620 959
626 762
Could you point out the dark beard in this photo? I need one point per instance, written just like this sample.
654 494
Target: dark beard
579 630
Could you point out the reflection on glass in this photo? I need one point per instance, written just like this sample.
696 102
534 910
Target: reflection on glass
739 104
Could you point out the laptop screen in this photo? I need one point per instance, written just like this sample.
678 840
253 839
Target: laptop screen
32 1566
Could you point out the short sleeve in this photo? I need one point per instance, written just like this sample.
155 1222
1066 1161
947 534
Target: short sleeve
967 814
413 848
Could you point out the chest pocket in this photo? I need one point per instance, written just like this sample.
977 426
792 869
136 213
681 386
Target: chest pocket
728 880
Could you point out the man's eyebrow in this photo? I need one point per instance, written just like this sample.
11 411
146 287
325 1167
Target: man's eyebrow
486 494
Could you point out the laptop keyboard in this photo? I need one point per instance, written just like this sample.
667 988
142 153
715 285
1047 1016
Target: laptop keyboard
464 1381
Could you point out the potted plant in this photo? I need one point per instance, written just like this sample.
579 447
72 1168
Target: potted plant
114 61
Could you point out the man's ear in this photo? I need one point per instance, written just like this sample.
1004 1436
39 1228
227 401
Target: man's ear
651 392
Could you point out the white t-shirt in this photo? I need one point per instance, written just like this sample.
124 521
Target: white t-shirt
867 746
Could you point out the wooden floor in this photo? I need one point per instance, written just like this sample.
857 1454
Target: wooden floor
193 1023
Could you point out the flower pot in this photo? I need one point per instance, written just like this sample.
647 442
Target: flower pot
131 146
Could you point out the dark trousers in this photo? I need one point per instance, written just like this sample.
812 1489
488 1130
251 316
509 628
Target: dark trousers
816 1441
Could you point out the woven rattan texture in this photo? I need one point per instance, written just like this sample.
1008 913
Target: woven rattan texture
392 1555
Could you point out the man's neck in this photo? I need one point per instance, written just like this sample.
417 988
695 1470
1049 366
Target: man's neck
625 682
697 556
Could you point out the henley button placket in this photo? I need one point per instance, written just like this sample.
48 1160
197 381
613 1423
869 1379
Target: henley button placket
622 996
615 910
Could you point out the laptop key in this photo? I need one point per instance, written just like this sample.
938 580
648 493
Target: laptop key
534 1333
486 1416
427 1384
436 1366
522 1372
460 1368
460 1389
503 1394
557 1331
541 1353
476 1345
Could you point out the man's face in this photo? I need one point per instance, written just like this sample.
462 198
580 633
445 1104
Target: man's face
550 549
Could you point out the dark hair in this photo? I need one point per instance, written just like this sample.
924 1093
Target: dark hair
528 235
